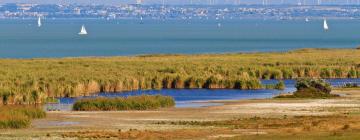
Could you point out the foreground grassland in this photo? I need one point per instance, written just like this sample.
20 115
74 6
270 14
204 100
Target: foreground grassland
31 81
301 128
274 119
19 116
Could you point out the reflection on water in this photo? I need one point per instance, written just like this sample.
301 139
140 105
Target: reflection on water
198 97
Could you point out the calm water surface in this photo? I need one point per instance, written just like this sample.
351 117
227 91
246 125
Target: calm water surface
59 38
200 97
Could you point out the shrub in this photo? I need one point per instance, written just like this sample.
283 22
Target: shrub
312 93
143 102
310 88
318 84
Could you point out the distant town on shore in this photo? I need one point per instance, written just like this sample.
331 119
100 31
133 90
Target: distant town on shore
185 12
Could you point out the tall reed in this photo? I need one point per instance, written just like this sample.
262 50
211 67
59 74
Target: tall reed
32 81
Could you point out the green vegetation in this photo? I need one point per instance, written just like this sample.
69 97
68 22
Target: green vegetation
310 88
280 86
32 81
19 116
52 100
143 102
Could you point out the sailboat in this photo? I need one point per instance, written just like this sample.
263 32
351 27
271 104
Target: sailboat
326 27
141 20
307 20
39 22
83 31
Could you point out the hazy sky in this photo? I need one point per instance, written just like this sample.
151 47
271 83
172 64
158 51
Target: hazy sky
172 1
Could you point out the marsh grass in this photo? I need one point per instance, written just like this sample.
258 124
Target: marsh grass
143 102
15 117
279 86
32 81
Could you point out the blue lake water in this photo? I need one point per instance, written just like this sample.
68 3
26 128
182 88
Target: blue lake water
59 38
200 97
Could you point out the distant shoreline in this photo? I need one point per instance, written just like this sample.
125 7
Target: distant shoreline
180 54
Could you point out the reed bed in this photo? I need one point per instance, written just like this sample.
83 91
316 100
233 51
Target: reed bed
142 102
15 117
32 81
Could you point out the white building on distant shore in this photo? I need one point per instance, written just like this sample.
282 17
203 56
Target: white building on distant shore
139 2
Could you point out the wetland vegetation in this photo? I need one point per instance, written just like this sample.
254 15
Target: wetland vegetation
32 81
142 102
310 88
19 116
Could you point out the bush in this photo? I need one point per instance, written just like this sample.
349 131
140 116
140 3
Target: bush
318 84
312 93
310 88
143 102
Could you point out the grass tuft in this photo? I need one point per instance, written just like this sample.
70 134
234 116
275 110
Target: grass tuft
15 117
143 102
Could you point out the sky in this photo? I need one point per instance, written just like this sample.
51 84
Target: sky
110 2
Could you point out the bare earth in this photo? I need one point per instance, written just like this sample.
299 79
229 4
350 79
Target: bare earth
57 123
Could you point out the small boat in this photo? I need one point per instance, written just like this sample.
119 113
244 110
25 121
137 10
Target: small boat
83 31
307 20
39 22
326 27
141 20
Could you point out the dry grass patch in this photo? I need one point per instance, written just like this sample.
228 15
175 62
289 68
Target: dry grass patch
283 125
146 134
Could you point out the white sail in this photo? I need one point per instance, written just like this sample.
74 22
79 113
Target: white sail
83 31
39 22
326 27
141 20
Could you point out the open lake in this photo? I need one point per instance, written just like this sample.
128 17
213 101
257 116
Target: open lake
200 97
59 37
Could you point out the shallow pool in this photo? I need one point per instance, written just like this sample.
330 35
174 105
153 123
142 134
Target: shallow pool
200 97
